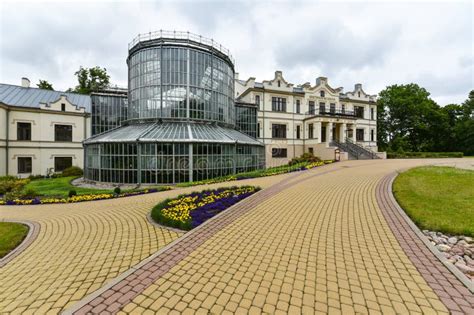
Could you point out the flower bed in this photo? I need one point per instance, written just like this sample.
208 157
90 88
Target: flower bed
188 211
260 173
79 198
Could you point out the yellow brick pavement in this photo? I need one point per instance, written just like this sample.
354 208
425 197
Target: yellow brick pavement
321 246
82 246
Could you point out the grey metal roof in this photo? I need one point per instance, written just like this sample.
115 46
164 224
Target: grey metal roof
173 132
15 95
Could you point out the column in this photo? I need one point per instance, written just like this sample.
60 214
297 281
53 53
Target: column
328 133
354 128
342 132
317 131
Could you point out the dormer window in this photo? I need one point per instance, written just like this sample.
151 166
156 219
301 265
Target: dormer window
63 107
322 94
279 83
358 93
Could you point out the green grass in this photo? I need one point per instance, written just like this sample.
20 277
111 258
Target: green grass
438 198
11 235
60 187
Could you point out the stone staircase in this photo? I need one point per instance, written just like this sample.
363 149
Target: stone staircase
355 151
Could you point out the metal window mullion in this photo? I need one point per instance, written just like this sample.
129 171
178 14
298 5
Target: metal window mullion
187 84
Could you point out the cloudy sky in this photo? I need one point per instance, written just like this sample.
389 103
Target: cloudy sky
376 44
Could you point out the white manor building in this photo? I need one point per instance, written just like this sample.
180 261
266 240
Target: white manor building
318 119
43 131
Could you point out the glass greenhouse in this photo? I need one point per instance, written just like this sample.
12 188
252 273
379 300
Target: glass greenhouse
181 123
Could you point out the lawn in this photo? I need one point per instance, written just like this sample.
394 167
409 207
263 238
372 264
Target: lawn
60 187
438 198
11 235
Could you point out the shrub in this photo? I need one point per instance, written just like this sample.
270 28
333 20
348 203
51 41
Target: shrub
306 157
29 193
117 190
72 193
72 171
33 177
10 184
423 155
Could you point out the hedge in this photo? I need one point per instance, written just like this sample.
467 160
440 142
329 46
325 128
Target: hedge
423 155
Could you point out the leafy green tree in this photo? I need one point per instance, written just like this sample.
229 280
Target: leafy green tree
464 127
45 85
407 118
91 79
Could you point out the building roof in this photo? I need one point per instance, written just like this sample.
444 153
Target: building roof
15 95
173 132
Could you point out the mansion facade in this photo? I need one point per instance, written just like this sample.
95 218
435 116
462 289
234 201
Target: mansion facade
318 119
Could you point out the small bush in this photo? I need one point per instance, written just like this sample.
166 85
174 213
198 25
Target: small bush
306 157
11 184
29 193
72 193
34 177
72 171
117 190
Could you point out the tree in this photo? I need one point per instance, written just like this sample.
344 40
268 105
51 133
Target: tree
45 85
407 117
91 79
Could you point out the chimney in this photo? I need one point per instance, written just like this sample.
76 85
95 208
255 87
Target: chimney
25 82
321 80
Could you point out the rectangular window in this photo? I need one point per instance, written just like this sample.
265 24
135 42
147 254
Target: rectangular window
332 108
322 108
23 131
311 107
360 134
62 162
257 100
372 114
24 165
310 131
298 106
63 133
279 153
258 130
278 104
279 131
359 111
343 108
311 151
323 134
63 107
372 135
298 132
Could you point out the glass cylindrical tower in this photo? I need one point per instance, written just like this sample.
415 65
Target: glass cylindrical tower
181 116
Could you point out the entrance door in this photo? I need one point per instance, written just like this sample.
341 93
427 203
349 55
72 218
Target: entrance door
323 134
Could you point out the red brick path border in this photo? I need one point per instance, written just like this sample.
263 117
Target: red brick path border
452 292
122 293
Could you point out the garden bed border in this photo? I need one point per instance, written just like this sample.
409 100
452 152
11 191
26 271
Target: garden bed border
33 231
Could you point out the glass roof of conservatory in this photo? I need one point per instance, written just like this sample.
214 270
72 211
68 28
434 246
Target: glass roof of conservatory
173 132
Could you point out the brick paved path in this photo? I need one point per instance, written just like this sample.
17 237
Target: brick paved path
320 243
317 241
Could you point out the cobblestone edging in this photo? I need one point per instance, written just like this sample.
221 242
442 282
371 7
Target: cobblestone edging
453 288
33 231
112 297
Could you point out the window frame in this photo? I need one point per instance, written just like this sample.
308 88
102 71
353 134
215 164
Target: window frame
28 132
56 163
279 153
359 132
279 131
22 169
311 131
278 104
62 139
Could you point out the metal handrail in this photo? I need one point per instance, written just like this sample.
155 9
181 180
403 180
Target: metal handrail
367 150
347 113
180 35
